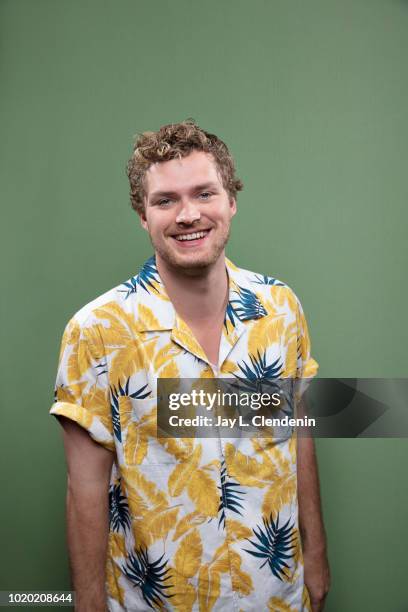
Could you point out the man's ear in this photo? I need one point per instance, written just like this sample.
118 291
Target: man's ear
233 206
143 221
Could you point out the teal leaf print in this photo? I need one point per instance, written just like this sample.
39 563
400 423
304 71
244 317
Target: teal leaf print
149 577
147 274
231 495
259 374
114 404
248 305
119 516
230 315
261 279
117 392
273 543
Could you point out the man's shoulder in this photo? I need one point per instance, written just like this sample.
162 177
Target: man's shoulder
264 286
257 280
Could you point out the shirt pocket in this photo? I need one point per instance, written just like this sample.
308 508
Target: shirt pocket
141 446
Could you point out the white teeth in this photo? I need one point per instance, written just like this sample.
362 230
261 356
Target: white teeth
192 236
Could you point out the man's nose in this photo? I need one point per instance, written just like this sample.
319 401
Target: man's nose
188 213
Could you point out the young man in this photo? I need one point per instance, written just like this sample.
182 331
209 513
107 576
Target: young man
183 524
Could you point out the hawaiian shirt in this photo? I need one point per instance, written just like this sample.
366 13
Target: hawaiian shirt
208 525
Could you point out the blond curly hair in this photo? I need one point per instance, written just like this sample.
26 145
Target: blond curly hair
172 141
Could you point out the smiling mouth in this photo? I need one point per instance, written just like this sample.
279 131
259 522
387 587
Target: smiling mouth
191 237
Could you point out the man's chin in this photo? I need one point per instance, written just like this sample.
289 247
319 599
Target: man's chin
189 261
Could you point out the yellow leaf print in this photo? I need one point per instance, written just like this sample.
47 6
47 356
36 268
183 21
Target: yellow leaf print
137 431
241 581
136 445
246 470
236 530
97 348
149 345
70 336
187 559
122 325
123 335
296 550
182 473
146 318
290 331
160 521
203 491
282 485
206 372
143 495
125 362
279 296
291 359
309 369
188 522
215 464
165 354
113 573
79 361
183 594
97 402
293 447
170 371
228 367
276 604
267 331
180 448
117 545
71 393
280 493
208 588
183 335
84 417
220 561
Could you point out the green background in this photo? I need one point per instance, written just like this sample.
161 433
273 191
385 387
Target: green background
312 99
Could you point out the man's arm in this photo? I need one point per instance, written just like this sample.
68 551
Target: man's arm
89 466
317 573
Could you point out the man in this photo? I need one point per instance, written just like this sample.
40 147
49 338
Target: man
193 524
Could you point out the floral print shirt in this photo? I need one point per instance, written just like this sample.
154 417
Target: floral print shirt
207 524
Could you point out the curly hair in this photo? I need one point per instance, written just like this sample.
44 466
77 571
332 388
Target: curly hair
177 140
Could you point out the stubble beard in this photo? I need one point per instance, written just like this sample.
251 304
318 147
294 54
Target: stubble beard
201 261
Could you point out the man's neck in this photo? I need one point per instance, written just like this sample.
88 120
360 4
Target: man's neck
197 297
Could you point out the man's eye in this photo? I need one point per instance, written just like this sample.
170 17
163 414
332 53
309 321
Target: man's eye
164 202
205 195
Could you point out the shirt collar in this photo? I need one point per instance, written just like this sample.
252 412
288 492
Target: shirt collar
157 313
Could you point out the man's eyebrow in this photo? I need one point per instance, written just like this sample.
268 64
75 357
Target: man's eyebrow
204 186
162 194
194 189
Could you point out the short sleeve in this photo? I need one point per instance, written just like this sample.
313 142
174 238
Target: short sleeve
81 389
307 367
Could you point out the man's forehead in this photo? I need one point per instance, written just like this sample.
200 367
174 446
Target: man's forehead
182 173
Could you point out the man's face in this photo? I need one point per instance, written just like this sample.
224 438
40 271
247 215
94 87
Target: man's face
187 211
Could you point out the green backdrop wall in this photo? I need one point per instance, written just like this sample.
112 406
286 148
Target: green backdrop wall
312 98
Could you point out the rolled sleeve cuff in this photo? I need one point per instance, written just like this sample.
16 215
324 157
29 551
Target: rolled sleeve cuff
85 419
